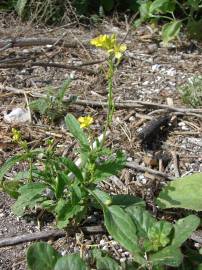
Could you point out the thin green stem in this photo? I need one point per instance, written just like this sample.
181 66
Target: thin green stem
30 170
162 16
110 107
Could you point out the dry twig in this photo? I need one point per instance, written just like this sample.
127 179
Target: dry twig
19 239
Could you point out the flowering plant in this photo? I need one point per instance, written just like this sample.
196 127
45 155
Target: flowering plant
85 121
109 44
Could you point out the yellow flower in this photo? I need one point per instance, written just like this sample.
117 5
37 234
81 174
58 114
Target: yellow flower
119 50
16 135
17 138
85 121
109 44
105 42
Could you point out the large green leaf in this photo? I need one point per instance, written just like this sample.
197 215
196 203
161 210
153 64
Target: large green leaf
162 6
72 167
159 235
171 30
75 129
103 261
126 200
184 228
185 192
144 10
41 256
10 163
122 228
110 167
65 211
30 195
106 263
142 219
102 197
168 256
70 262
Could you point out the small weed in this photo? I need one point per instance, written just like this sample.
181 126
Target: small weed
51 106
191 92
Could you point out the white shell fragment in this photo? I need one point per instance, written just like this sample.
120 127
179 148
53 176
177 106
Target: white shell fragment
17 116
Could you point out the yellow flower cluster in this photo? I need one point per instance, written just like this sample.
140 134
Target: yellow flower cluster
85 121
17 138
109 44
16 135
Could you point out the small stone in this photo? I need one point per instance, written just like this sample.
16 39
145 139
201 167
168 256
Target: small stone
64 252
105 248
152 48
102 242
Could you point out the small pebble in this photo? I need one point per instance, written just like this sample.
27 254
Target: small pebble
102 242
105 248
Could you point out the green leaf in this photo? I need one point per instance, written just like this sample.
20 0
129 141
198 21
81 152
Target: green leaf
72 167
63 90
10 163
170 30
162 6
107 4
168 256
102 197
20 7
122 228
40 105
59 185
26 175
70 262
78 134
41 256
159 235
30 195
142 219
184 228
106 263
138 22
110 167
194 4
11 187
185 192
144 10
65 211
126 200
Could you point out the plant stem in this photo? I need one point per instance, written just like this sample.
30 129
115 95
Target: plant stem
110 101
30 170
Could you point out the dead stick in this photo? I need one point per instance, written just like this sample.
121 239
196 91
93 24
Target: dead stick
27 42
127 104
133 165
30 237
132 104
43 64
